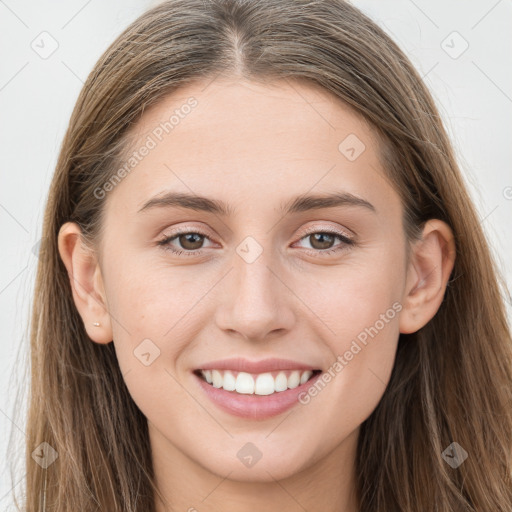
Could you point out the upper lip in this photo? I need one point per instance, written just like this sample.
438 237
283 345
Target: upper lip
265 365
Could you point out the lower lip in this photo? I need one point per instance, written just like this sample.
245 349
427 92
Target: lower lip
255 407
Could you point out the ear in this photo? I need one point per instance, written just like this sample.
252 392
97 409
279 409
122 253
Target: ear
431 263
86 282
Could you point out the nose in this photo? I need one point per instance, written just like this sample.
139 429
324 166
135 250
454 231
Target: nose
257 302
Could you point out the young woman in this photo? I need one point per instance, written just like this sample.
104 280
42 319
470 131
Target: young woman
264 285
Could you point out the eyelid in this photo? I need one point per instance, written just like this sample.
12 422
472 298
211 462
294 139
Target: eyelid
327 229
186 229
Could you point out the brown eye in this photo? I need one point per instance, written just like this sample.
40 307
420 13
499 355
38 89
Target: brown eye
323 243
190 241
321 240
187 243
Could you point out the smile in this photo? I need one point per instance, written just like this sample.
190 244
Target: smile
255 390
266 383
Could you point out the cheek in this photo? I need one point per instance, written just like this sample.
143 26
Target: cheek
153 298
152 320
360 306
354 296
157 312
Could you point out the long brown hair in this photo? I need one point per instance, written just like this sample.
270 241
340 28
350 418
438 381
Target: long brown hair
452 379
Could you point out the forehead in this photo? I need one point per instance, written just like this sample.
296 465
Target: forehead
246 140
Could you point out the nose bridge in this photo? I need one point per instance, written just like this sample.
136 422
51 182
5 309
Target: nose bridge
254 279
257 302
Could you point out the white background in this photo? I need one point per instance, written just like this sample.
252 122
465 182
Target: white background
473 93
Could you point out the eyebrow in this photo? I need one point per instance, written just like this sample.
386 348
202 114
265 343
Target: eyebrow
295 205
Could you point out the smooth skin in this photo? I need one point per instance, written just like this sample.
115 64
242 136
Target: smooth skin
255 147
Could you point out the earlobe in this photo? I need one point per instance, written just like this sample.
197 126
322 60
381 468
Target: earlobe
431 263
86 283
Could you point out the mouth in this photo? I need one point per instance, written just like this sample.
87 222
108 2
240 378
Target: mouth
263 384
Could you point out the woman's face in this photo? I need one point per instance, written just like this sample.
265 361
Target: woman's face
266 272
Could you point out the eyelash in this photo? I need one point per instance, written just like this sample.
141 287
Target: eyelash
346 241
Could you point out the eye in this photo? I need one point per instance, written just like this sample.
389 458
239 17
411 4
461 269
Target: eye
322 241
190 241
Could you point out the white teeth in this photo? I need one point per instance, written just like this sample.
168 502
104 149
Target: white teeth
264 384
217 379
281 382
229 383
294 379
244 383
305 376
